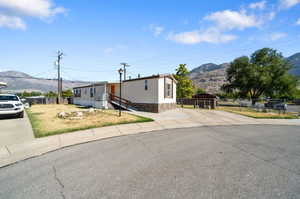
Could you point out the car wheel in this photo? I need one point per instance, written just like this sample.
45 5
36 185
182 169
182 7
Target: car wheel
21 115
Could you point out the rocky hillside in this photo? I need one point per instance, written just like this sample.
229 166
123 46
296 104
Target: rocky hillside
212 76
18 82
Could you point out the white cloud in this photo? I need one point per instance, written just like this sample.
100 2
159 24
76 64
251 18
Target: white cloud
209 36
157 30
12 22
34 8
13 11
228 20
277 36
298 22
285 4
271 15
258 5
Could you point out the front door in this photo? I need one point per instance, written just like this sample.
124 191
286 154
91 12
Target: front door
113 90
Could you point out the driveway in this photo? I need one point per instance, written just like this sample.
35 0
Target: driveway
249 161
15 131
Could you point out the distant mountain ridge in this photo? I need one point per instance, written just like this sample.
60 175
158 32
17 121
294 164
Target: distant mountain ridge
19 82
212 76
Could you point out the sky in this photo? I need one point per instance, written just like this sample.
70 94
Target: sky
151 36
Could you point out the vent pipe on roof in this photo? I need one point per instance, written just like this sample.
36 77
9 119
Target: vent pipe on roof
129 77
139 75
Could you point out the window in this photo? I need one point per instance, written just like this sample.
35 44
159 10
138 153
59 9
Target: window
168 87
146 85
8 98
169 90
91 92
77 92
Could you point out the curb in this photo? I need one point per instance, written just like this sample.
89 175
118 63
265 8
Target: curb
18 152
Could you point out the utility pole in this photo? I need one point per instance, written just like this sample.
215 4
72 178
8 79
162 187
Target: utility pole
59 80
124 68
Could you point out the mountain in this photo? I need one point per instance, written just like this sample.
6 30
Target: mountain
19 81
212 76
295 61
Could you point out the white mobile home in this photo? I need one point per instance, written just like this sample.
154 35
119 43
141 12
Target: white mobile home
155 93
94 95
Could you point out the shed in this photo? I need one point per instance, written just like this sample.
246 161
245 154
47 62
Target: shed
206 99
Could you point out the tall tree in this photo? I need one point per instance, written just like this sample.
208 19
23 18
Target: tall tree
200 91
264 73
185 88
67 93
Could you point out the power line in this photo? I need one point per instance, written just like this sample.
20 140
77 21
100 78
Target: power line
125 65
89 71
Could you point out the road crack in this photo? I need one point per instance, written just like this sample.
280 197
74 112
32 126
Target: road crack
62 186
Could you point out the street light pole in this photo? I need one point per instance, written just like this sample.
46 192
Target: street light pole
120 97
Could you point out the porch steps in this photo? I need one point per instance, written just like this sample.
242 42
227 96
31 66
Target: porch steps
123 106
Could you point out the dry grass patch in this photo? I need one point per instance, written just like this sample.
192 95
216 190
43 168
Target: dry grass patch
256 114
45 120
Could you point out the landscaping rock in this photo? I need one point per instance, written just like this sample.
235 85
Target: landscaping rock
62 115
79 114
91 110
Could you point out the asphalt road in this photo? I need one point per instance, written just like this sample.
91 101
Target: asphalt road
205 162
15 130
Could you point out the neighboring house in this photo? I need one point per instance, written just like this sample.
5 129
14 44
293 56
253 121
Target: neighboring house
155 93
94 95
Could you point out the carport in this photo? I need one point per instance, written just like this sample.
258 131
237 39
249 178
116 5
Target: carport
2 85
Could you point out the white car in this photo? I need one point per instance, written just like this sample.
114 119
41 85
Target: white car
11 105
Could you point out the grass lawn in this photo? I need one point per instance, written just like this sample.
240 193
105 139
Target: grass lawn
258 115
45 121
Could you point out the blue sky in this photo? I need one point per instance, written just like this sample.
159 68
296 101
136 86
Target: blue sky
152 36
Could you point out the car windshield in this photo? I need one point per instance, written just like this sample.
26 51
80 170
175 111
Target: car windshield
8 98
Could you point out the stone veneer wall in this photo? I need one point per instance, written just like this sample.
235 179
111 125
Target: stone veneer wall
154 108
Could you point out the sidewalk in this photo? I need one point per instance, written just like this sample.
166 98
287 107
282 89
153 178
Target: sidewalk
179 118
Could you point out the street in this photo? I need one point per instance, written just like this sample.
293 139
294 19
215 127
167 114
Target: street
250 161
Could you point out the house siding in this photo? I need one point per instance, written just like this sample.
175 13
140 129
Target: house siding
98 100
135 92
145 94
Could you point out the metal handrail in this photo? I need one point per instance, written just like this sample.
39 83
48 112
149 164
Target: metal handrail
123 101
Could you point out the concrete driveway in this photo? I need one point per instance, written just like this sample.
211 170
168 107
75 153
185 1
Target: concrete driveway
15 131
249 161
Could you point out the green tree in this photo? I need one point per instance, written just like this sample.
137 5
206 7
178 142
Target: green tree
200 91
264 73
67 93
29 94
185 88
51 94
